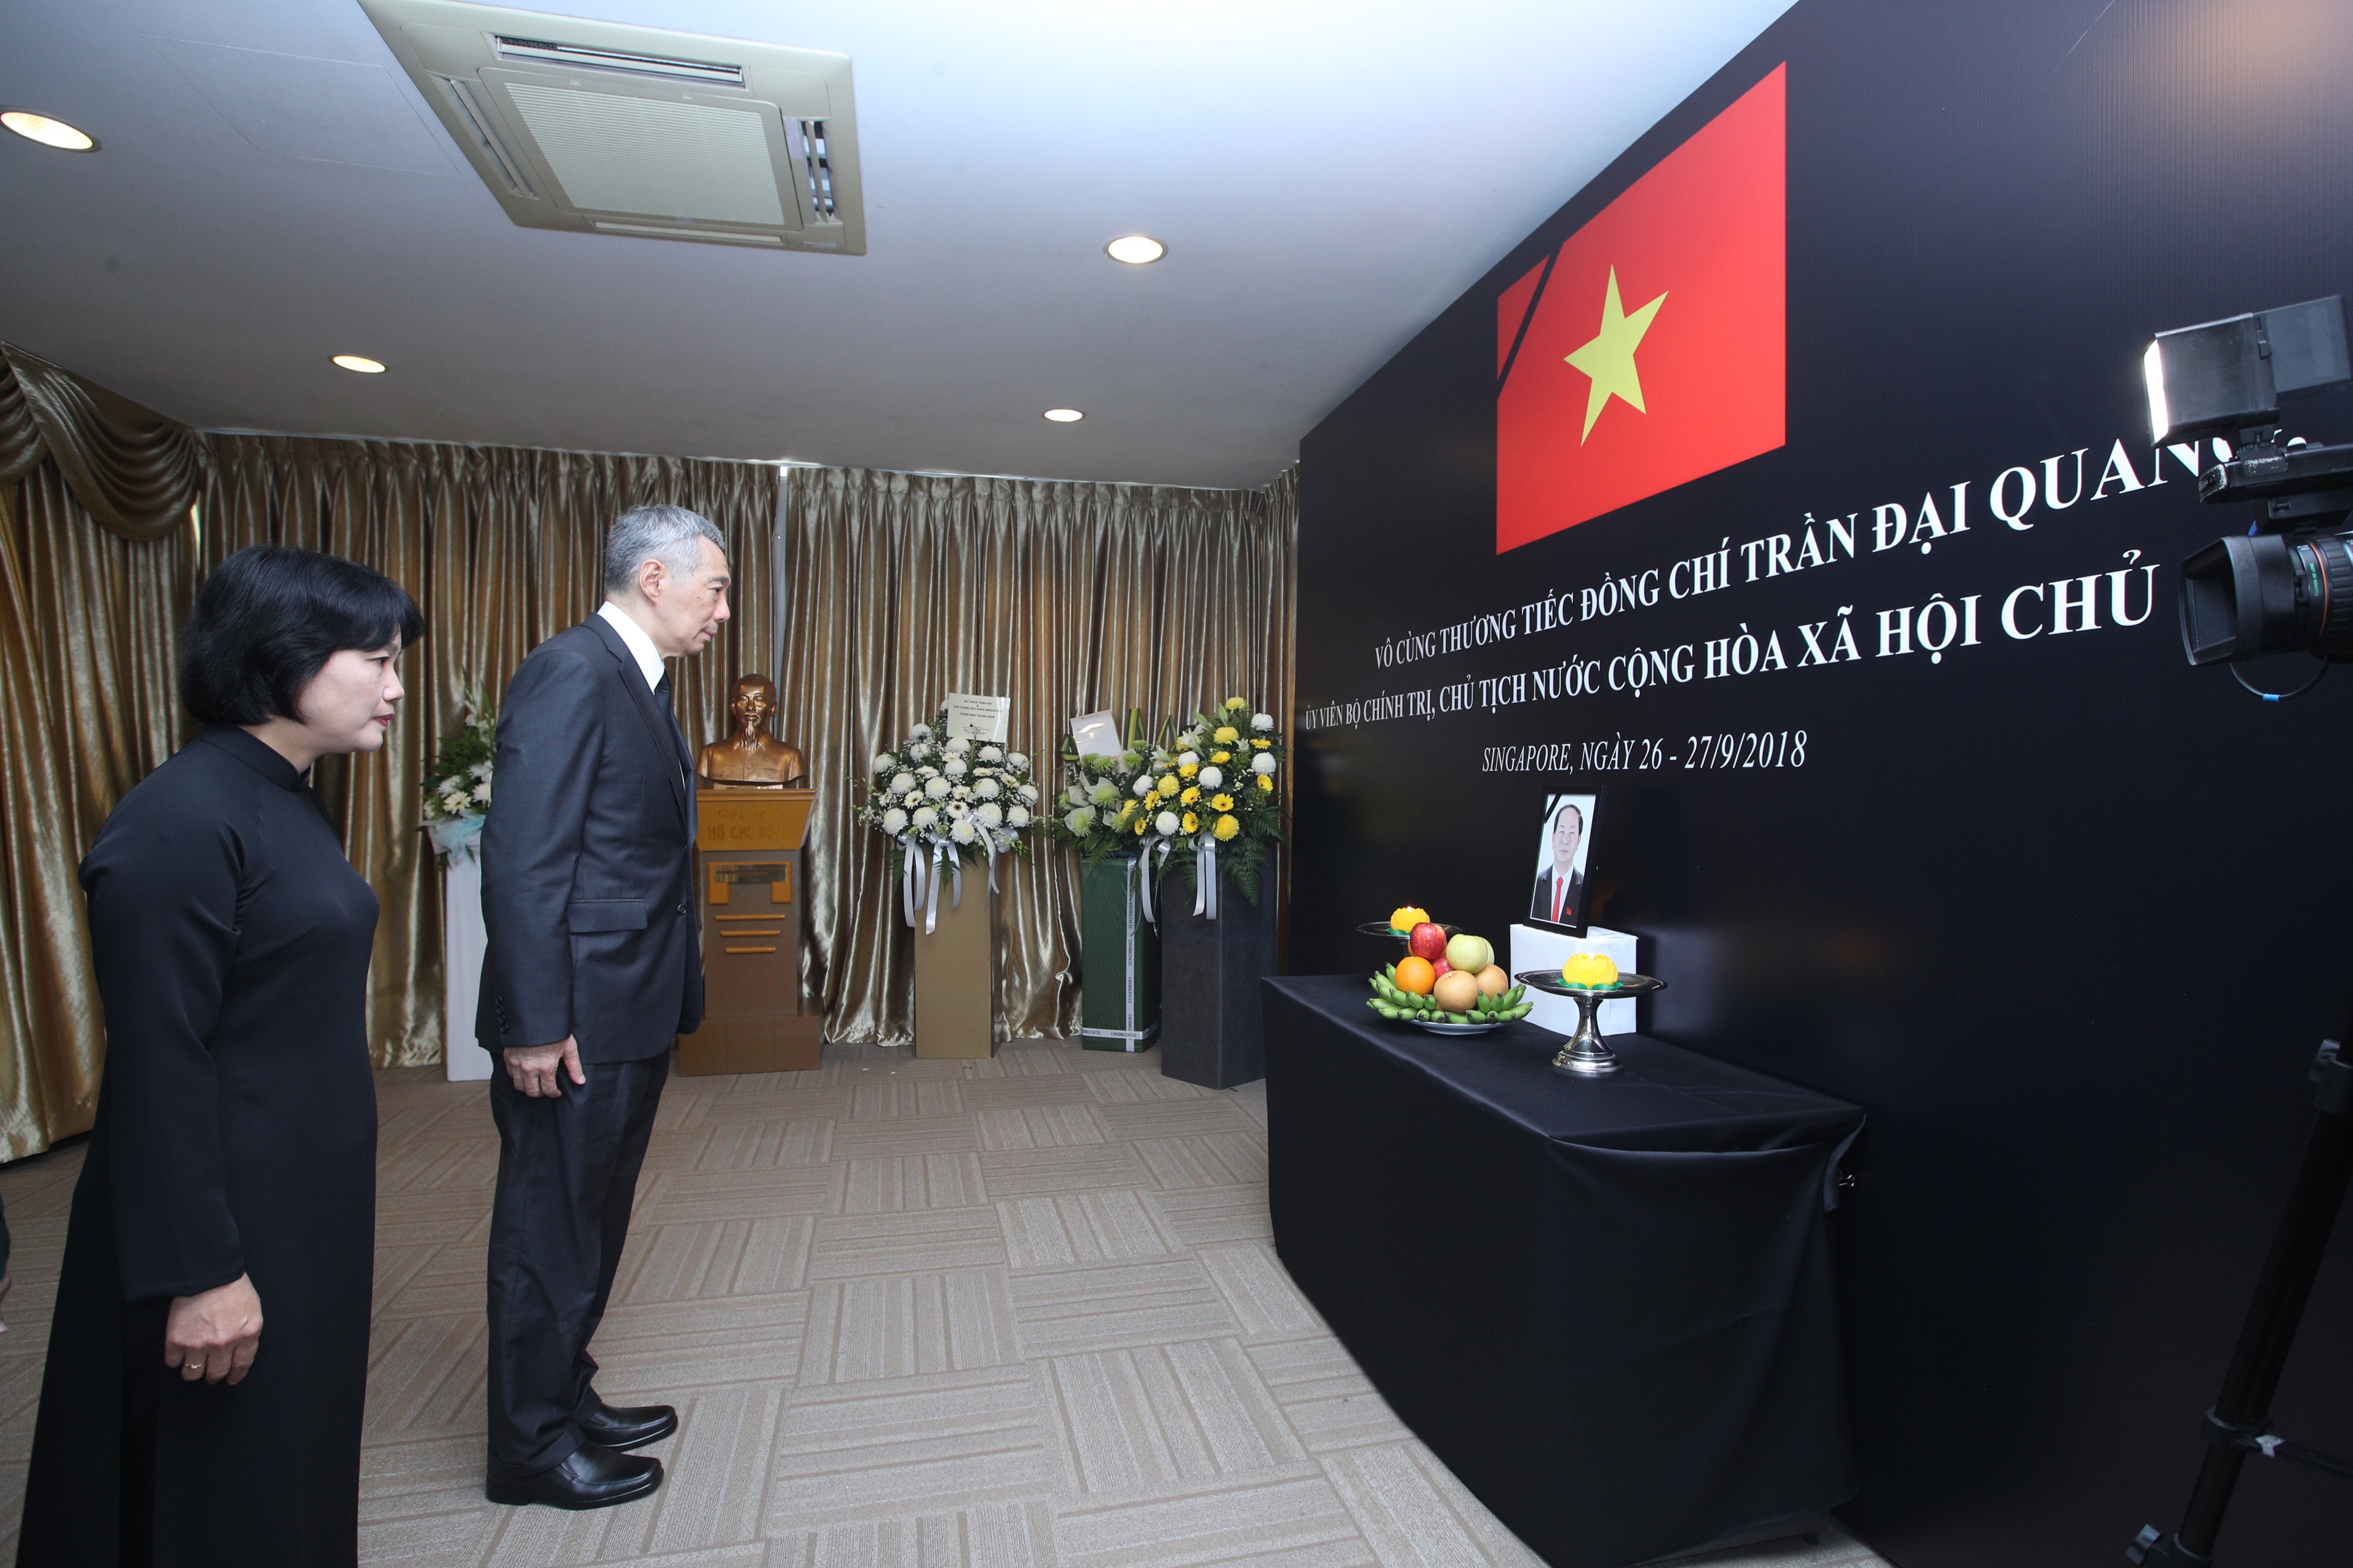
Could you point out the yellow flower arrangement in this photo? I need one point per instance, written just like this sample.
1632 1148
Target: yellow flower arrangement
1231 829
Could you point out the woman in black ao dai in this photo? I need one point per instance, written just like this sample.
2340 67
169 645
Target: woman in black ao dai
231 1171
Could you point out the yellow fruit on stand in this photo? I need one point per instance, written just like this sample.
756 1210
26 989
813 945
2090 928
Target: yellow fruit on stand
1590 970
1405 919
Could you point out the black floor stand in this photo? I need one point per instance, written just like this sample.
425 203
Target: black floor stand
2240 1423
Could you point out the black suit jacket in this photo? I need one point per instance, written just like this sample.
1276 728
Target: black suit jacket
1540 904
587 859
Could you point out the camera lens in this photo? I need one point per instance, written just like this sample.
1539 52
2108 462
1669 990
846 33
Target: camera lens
2268 593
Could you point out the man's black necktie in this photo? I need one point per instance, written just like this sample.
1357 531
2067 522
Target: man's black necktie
661 696
685 757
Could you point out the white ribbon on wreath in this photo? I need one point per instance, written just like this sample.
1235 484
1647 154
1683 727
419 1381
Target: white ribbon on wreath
1145 877
911 876
920 886
1204 876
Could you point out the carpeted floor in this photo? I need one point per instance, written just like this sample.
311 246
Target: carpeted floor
914 1315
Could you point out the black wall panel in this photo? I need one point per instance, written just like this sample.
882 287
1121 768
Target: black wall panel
2067 916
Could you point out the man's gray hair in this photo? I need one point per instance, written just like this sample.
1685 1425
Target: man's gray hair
665 533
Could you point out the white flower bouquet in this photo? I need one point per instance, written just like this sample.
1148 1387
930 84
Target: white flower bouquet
1095 813
457 785
943 801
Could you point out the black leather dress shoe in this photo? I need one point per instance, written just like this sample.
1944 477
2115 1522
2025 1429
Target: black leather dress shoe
632 1428
592 1476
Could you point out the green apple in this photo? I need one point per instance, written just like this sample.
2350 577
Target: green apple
1472 953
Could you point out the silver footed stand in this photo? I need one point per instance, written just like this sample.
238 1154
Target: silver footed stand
1587 1054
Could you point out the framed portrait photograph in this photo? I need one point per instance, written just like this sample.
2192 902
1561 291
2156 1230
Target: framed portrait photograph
1563 863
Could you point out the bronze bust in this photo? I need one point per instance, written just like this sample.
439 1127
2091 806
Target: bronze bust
751 756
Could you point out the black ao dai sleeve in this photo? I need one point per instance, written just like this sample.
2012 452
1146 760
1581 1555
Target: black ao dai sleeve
163 901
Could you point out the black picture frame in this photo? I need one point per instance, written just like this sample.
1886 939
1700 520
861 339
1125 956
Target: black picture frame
1573 910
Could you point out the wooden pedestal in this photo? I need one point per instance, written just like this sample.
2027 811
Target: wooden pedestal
955 975
749 892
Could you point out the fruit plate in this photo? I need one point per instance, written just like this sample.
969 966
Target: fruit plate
1458 1028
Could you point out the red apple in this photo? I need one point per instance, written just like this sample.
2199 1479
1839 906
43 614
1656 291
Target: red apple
1427 941
1439 966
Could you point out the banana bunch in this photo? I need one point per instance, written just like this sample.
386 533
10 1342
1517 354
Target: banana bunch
1391 1000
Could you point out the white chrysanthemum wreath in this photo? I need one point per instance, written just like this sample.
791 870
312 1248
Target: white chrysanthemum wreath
943 800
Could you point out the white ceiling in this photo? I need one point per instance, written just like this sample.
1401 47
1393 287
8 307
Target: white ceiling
1327 177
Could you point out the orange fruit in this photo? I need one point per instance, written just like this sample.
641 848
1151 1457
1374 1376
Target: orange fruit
1415 974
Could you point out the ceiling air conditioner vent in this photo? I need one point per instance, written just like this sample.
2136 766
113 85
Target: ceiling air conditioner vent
604 129
807 139
540 52
477 121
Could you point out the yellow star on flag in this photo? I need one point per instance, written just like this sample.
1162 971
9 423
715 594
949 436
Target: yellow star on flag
1608 357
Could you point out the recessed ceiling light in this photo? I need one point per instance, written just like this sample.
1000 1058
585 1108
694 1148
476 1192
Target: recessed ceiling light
48 133
364 365
1136 249
1064 415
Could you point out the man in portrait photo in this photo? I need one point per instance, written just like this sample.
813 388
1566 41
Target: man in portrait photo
1560 883
594 969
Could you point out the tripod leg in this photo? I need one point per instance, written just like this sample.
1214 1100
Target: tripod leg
2269 1331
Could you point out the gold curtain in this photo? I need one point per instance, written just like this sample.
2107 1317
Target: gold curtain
97 555
88 708
135 470
898 589
500 548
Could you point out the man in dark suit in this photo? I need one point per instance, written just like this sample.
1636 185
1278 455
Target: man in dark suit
595 967
1557 900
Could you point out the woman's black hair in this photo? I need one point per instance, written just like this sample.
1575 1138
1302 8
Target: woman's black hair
270 617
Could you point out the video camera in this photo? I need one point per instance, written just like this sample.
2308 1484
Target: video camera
2284 587
2286 584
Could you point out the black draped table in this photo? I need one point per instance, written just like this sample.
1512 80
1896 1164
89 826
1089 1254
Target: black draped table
1605 1303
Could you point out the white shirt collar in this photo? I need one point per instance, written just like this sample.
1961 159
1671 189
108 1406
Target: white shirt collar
649 658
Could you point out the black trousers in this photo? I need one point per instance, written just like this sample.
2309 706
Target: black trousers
567 1175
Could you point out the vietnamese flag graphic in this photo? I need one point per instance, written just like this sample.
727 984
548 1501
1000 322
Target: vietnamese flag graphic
1649 350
